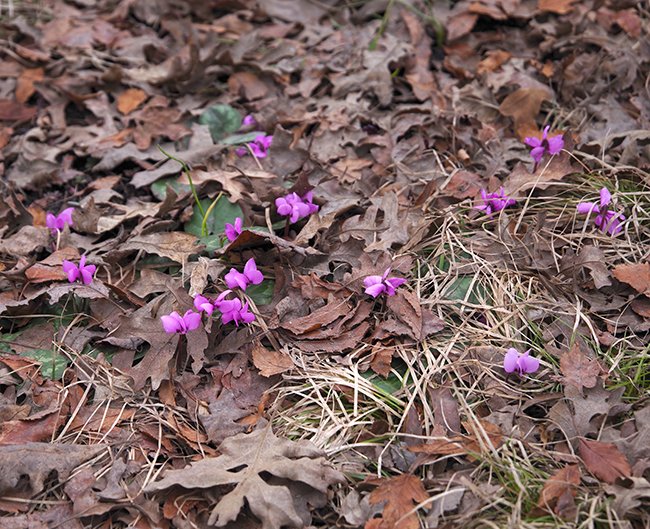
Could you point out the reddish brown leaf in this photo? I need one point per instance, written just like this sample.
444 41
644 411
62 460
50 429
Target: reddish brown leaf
559 7
578 369
25 83
604 460
523 106
559 492
130 99
401 494
635 275
14 111
381 360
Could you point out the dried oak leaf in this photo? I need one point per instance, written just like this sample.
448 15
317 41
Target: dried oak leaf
635 275
38 460
629 497
604 460
578 369
559 492
176 245
270 362
278 479
401 494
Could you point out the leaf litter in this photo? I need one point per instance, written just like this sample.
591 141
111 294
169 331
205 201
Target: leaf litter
159 123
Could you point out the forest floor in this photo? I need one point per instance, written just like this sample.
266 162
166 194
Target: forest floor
133 131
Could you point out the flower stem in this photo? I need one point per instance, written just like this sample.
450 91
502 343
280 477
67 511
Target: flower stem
186 170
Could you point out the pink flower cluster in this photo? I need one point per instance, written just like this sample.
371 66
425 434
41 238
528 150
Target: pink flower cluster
233 230
231 309
259 147
82 271
607 220
250 276
378 285
520 362
493 202
60 221
541 146
296 207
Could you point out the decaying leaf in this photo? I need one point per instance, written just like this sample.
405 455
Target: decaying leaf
635 275
270 362
277 479
604 460
578 369
36 461
399 495
559 492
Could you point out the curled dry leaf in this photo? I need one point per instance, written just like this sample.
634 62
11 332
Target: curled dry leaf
559 492
399 495
279 480
635 275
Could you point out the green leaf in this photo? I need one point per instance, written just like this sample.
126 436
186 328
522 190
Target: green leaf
245 137
463 288
222 120
222 213
159 187
52 363
5 341
261 294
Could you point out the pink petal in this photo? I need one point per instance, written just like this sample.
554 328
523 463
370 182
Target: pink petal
71 271
236 279
605 197
532 141
528 364
172 322
192 320
537 153
510 360
50 221
66 216
375 290
555 144
373 280
252 273
587 207
87 273
394 282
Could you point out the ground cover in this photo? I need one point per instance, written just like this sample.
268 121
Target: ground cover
324 264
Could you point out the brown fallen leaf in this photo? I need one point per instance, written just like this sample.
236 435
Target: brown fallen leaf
37 460
578 369
176 245
635 275
523 106
604 460
130 99
559 7
277 479
14 111
521 179
270 362
400 494
559 492
25 83
629 495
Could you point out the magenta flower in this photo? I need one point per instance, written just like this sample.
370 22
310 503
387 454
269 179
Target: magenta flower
83 271
58 222
494 202
296 207
551 145
521 362
203 304
175 323
251 275
377 285
248 121
259 146
607 220
232 231
232 310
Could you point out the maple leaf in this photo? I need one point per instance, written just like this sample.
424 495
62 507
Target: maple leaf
604 460
401 494
278 479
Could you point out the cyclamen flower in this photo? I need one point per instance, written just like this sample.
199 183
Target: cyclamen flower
203 304
607 220
494 202
377 285
175 323
521 362
232 231
83 271
232 310
551 145
248 120
251 274
259 146
296 207
58 222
